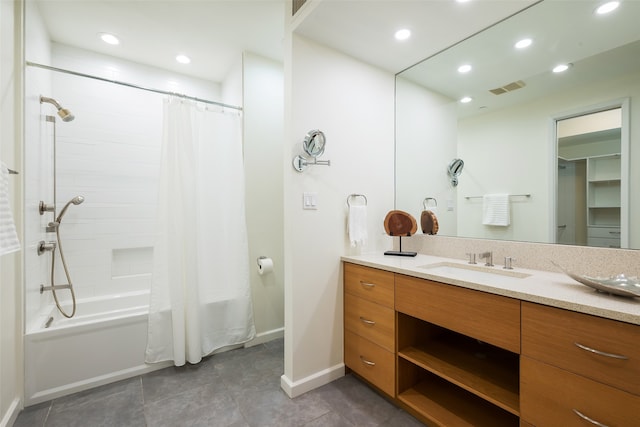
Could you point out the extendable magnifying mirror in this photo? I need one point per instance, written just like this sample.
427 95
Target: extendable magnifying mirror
454 170
313 144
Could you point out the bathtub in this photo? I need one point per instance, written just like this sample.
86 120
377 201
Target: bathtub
104 342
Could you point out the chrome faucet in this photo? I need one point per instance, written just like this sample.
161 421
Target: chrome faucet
488 256
508 263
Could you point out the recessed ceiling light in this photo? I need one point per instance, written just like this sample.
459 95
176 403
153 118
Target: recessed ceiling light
109 38
466 99
403 34
521 44
607 7
464 68
561 68
183 59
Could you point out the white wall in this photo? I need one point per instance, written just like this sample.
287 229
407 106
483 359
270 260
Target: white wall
263 98
11 375
352 103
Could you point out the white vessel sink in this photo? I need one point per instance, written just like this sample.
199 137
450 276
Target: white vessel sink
472 272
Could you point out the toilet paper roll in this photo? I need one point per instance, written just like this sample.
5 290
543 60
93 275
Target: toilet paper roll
265 265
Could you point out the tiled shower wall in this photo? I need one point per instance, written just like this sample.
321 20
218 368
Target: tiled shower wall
109 154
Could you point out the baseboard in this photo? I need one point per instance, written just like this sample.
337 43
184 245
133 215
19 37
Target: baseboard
11 415
267 336
297 388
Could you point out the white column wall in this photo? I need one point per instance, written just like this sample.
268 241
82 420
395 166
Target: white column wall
352 103
263 97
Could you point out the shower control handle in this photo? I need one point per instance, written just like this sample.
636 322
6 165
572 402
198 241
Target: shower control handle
43 207
46 246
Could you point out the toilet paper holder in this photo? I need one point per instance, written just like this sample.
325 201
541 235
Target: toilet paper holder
259 258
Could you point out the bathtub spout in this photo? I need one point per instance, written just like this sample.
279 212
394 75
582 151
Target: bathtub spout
53 288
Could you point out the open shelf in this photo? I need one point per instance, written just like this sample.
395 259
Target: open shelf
482 369
445 404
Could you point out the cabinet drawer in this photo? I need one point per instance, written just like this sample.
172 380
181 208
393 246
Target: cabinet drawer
601 242
490 318
549 396
607 232
370 361
553 335
369 283
370 320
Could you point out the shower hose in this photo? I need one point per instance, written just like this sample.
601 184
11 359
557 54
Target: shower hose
66 272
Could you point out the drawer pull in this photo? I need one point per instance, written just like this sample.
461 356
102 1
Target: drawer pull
592 421
367 362
367 284
367 321
601 353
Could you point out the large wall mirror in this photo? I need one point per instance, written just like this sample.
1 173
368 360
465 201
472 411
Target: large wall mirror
512 132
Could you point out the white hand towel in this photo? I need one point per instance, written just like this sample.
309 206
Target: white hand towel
357 225
495 210
8 237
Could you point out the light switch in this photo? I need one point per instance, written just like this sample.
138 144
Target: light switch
309 200
450 205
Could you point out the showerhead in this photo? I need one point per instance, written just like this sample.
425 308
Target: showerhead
75 201
64 114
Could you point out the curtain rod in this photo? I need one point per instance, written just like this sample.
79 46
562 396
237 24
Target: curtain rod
163 92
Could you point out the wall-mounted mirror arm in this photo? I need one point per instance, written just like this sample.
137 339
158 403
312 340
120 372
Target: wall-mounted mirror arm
300 163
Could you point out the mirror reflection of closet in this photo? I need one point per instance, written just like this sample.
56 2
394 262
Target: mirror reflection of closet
590 198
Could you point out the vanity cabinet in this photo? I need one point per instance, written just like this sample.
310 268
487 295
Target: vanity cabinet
576 367
454 356
457 354
369 321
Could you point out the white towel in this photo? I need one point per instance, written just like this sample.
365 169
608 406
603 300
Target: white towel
495 210
8 237
357 225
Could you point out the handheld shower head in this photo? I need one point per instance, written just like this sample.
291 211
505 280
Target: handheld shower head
64 114
75 201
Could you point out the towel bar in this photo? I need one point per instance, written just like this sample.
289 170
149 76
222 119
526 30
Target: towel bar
355 196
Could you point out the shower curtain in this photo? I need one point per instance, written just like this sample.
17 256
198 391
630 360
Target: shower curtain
200 294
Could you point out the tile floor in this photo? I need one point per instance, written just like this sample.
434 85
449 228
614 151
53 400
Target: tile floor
239 388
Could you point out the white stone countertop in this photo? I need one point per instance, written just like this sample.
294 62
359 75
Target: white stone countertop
543 287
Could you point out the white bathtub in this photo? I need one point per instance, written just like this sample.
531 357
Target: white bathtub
104 342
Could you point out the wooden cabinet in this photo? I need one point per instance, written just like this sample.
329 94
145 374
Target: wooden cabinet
370 325
457 354
458 357
575 366
551 396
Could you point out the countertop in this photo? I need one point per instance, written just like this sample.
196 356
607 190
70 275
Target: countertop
543 287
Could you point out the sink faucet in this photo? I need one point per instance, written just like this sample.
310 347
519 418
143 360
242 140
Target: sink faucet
488 256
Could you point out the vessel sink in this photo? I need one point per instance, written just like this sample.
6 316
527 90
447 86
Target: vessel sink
472 272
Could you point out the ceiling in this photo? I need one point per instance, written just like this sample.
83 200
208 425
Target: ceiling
215 32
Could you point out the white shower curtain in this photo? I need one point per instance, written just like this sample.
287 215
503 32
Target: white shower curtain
200 294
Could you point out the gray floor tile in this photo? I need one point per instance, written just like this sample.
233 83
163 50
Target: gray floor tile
239 388
33 416
331 419
274 408
119 406
208 405
356 402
